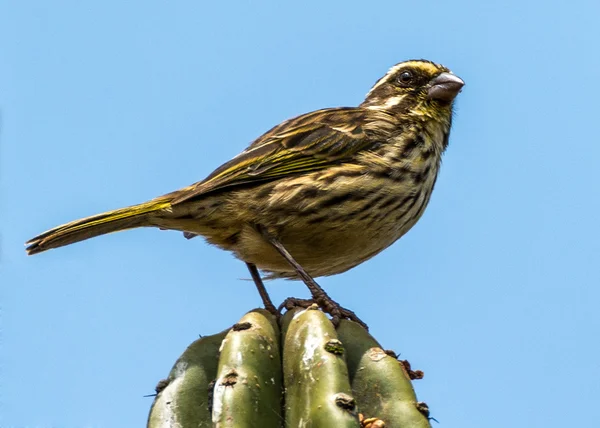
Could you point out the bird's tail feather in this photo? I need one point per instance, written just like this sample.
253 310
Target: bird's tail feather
100 224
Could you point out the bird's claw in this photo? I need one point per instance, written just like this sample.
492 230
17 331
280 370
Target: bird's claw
327 305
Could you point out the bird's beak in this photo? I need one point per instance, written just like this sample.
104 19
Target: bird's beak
445 87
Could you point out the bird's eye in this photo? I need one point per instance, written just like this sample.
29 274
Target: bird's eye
405 78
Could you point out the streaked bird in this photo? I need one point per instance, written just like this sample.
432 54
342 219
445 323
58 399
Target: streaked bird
317 194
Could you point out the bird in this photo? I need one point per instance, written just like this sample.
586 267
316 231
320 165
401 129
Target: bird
317 194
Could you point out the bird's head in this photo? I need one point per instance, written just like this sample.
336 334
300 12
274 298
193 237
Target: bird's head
417 86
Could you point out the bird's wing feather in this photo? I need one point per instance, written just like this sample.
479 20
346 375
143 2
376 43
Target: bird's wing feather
307 143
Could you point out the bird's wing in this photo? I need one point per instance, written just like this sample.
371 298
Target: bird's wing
307 143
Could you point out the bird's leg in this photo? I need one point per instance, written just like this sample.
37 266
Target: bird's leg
320 297
262 290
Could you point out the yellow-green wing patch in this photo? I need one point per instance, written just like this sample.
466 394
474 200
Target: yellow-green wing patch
307 143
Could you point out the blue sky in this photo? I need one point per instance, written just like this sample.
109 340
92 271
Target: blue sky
494 293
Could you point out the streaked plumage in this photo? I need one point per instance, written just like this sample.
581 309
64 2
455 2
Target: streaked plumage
335 186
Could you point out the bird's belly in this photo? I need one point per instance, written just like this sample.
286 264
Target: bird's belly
328 244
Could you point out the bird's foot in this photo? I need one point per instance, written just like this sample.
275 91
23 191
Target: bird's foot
293 302
327 305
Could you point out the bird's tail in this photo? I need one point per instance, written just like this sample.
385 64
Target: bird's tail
100 224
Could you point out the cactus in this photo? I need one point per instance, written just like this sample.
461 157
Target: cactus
306 374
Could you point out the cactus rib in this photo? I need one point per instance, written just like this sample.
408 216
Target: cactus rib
248 387
318 392
380 383
184 399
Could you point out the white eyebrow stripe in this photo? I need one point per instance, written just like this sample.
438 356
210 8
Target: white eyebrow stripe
384 79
